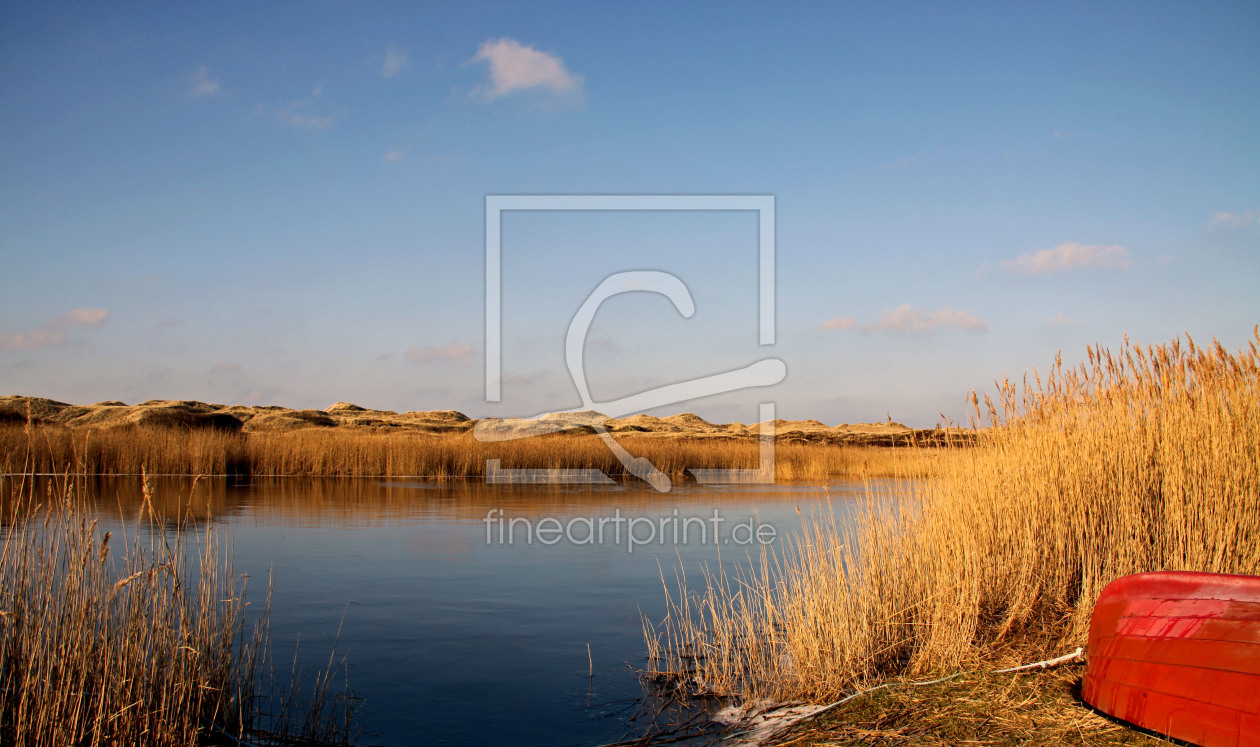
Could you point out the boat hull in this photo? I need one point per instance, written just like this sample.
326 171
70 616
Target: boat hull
1179 653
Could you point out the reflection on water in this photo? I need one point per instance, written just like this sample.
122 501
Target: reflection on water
454 636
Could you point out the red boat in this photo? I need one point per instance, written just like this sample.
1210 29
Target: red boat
1179 653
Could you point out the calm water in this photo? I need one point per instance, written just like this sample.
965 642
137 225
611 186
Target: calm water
458 630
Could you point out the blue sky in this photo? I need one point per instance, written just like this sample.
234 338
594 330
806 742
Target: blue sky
284 204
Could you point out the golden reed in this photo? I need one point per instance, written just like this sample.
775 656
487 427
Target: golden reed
1141 461
357 453
138 639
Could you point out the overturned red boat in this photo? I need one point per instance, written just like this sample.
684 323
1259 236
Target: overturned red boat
1179 653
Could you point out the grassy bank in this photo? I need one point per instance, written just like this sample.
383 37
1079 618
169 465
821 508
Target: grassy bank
990 709
137 640
316 452
1145 460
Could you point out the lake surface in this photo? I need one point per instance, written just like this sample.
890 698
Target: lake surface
468 607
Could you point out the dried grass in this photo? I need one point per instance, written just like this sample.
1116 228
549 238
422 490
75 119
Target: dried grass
137 640
361 453
1012 709
1143 461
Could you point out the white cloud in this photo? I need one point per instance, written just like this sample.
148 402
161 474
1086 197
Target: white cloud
304 113
603 344
1060 320
53 332
307 121
908 160
225 368
516 67
396 61
201 84
394 155
904 318
85 317
1069 256
908 319
456 352
1232 221
837 323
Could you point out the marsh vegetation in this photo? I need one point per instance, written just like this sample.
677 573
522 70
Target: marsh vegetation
1145 460
141 637
351 453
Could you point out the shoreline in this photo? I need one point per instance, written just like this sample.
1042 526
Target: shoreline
196 438
344 416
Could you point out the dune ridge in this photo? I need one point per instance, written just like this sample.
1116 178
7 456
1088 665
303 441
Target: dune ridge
345 416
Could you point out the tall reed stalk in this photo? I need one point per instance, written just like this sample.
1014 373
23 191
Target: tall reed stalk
1145 460
140 639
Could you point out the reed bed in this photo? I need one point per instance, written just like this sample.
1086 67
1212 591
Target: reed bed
1145 460
139 639
129 450
334 453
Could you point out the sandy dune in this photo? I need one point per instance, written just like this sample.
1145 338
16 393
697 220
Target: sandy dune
344 415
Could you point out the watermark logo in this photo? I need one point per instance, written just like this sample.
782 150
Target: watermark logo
593 414
632 531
